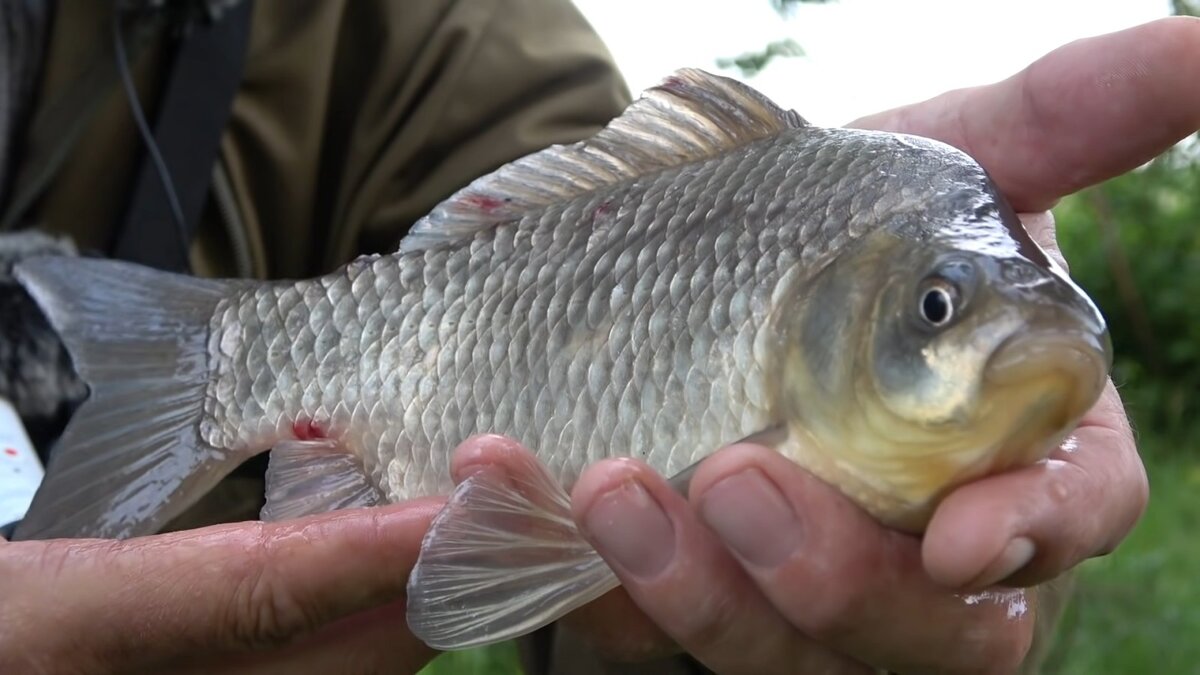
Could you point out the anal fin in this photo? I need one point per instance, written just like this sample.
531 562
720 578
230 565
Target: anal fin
501 559
318 476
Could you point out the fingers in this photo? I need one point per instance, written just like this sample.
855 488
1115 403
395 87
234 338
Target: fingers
1031 525
768 570
1040 226
685 580
846 581
371 641
1083 113
612 624
690 592
222 588
1048 517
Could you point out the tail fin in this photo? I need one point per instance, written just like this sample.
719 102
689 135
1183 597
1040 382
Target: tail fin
132 457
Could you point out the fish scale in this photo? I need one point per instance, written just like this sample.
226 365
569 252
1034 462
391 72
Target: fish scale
708 268
432 391
435 394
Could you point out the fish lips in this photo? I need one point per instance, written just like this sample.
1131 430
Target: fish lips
1066 367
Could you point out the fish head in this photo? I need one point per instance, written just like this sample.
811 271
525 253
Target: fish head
993 357
915 366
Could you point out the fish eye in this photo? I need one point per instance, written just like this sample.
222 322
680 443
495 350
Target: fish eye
945 292
937 305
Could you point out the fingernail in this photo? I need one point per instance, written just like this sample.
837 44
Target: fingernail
632 530
1016 555
749 513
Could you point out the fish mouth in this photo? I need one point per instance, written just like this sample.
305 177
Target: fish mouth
1051 377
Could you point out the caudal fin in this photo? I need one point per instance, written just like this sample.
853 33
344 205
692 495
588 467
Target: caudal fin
132 457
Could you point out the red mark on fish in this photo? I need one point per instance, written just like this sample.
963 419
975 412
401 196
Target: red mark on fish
11 452
484 202
307 430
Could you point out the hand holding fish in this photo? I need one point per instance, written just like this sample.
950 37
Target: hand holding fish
706 268
317 595
765 569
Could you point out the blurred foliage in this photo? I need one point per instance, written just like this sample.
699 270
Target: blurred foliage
1134 244
1131 609
785 7
751 63
499 659
1185 7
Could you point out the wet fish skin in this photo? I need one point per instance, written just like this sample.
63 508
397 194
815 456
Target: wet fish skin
661 349
707 268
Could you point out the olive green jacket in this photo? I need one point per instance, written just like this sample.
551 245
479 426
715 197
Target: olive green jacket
353 119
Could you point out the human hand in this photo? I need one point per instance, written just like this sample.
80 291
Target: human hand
1085 113
763 568
322 594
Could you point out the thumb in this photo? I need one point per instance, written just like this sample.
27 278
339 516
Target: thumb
223 588
1083 113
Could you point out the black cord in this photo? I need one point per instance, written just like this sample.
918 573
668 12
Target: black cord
139 117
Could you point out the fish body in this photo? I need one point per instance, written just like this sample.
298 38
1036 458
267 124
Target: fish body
708 268
627 321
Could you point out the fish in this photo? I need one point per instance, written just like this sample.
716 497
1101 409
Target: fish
708 268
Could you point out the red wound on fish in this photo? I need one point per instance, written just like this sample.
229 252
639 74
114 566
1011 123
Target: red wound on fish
603 209
484 203
307 430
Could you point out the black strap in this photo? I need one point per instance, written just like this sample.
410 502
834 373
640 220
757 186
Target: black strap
192 116
53 133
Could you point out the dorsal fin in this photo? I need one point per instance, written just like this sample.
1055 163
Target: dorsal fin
690 116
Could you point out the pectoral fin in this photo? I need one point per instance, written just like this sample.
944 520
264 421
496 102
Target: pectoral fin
307 477
502 558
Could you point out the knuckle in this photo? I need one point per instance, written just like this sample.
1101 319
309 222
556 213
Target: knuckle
262 616
1140 496
1065 486
631 647
843 587
17 643
833 611
1010 648
263 611
1104 497
1137 489
34 571
711 622
996 644
842 592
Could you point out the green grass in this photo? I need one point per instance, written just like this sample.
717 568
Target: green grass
1135 611
495 660
1138 609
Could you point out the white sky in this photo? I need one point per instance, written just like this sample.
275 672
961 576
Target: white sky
861 55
